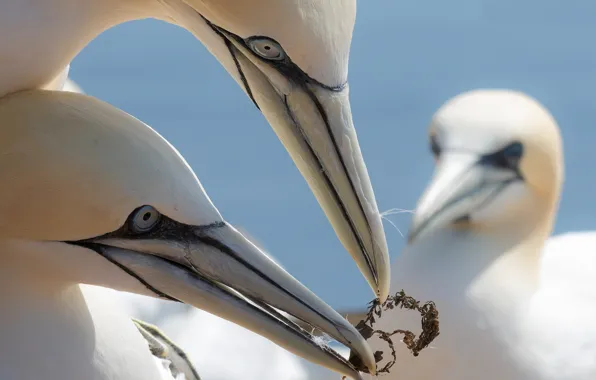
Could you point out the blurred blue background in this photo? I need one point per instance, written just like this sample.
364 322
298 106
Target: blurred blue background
407 59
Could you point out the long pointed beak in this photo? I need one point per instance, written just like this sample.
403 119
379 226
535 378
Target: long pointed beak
314 122
461 185
335 170
217 269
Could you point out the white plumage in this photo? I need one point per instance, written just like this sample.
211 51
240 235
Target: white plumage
201 335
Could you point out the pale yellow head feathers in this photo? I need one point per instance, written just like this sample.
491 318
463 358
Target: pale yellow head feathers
315 34
487 119
75 167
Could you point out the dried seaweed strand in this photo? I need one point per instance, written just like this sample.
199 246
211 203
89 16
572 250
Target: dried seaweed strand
429 322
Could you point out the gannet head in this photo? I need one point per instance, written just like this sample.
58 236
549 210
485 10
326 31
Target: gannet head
291 59
92 195
499 158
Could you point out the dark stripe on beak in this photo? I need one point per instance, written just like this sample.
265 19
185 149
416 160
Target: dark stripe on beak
230 47
221 247
295 74
171 230
258 306
98 248
323 114
328 181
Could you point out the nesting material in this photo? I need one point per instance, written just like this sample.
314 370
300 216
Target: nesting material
429 323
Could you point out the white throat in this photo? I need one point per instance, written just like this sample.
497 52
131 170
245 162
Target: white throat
480 282
53 328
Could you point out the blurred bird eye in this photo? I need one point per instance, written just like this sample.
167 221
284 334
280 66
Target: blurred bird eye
513 153
266 48
506 158
144 219
509 156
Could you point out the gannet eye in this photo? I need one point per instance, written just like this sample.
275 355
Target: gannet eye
266 48
513 153
144 219
509 156
506 158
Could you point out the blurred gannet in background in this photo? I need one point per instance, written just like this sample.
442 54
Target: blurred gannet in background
508 309
290 57
91 195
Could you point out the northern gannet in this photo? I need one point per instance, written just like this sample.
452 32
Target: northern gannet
170 359
509 309
200 334
91 195
290 57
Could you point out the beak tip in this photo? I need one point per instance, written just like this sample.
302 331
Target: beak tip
379 277
363 353
383 289
369 360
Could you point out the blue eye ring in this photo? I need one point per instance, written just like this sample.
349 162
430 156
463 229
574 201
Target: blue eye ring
144 219
266 48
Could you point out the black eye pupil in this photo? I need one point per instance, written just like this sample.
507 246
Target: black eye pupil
267 47
147 216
